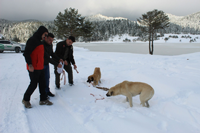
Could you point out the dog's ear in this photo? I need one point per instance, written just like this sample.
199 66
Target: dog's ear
88 79
92 79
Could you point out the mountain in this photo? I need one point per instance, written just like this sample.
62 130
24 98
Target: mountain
3 21
192 20
189 21
104 29
30 20
174 18
99 17
195 17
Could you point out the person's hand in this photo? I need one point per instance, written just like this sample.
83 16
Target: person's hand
61 60
30 68
75 66
65 62
59 65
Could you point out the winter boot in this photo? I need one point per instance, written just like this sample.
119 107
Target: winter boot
50 94
58 87
26 104
45 102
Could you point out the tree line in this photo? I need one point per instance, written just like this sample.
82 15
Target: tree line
102 30
72 23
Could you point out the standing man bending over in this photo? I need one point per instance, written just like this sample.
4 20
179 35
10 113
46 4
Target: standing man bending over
64 50
34 57
48 51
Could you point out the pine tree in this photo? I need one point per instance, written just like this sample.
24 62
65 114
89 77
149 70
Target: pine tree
87 29
16 39
71 23
150 22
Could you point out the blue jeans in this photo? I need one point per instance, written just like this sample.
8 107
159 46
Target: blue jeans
47 77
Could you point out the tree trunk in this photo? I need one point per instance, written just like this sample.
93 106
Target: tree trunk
152 45
149 43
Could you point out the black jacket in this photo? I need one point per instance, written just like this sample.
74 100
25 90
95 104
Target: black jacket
48 51
32 43
60 52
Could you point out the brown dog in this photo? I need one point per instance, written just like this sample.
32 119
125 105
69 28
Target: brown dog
130 89
95 77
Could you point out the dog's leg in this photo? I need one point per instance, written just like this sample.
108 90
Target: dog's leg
143 103
147 104
143 100
94 83
126 99
130 99
99 81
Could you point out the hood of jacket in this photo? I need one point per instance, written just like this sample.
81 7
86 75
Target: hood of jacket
41 30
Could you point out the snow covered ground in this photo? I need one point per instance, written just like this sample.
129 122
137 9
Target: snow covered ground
174 107
173 46
182 38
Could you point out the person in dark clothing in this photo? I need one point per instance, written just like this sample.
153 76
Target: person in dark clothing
48 51
64 50
34 57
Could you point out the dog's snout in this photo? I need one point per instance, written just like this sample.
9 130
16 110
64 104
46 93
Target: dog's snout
108 95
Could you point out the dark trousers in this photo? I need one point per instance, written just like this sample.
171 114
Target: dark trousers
47 77
36 77
68 69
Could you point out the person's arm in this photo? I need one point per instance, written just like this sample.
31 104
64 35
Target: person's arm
50 60
30 46
72 56
72 59
55 60
53 55
58 50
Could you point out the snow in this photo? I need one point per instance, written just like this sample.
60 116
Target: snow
100 17
174 17
174 107
1 36
191 20
120 38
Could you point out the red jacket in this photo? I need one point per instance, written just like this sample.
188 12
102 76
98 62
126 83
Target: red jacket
37 57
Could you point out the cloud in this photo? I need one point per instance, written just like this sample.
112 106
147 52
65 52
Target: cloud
132 9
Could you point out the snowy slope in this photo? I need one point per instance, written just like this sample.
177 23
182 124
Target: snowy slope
192 20
1 36
100 17
174 108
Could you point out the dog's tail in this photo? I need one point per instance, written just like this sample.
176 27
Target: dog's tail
103 88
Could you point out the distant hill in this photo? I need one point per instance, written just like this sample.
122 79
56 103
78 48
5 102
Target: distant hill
105 29
99 17
2 21
192 20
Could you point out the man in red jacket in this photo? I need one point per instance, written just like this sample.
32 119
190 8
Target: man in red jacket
34 57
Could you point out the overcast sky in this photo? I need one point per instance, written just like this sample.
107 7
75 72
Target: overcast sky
132 9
